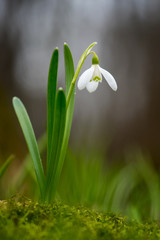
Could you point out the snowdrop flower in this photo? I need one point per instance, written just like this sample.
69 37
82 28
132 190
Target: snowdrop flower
93 76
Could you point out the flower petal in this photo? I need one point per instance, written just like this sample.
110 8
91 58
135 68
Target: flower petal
92 86
109 78
85 78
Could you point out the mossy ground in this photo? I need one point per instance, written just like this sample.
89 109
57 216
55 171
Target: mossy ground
24 219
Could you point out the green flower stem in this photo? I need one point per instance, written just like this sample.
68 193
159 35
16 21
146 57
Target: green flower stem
79 66
70 91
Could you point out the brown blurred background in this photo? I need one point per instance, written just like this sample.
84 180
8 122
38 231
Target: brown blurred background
128 36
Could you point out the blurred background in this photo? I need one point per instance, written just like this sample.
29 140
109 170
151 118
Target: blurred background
128 36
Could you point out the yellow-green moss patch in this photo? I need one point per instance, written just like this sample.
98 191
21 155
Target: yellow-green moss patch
27 220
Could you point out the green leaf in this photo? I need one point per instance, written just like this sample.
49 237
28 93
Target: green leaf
51 96
26 168
69 67
57 138
5 165
69 72
29 135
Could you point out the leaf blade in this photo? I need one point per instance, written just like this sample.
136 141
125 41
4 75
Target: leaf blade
58 133
30 138
69 73
69 67
51 96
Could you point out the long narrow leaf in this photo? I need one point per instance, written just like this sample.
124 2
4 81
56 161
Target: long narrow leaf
58 133
69 67
26 167
5 165
51 96
31 141
69 72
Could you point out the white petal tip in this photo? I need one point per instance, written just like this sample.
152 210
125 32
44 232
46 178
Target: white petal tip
92 86
109 78
91 91
80 87
115 88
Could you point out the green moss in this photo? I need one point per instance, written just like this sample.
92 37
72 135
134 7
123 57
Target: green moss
23 219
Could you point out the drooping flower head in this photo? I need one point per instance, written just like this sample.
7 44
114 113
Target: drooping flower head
93 76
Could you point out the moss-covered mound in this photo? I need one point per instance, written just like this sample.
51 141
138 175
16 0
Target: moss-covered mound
24 219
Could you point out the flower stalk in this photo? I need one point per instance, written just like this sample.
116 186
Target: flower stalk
79 66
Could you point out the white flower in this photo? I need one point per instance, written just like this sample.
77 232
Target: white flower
92 76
